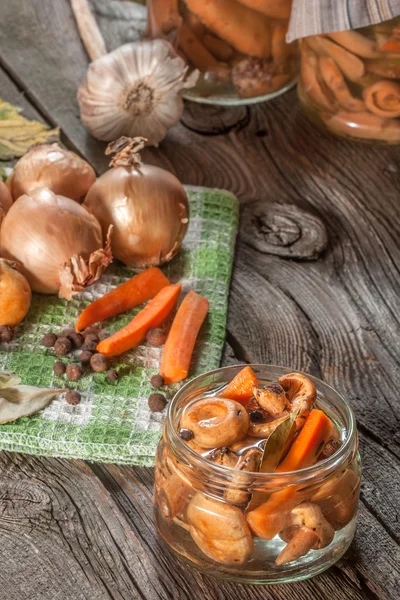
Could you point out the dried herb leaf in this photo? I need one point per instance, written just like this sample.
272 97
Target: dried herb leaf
272 453
22 401
17 133
8 379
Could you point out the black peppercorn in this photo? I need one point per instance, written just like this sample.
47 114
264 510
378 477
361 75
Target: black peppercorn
157 381
76 339
85 357
157 402
73 397
99 363
156 337
63 346
186 434
74 372
6 334
112 375
90 346
59 368
49 340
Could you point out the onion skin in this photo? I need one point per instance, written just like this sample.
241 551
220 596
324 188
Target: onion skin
51 166
5 200
149 210
43 232
15 294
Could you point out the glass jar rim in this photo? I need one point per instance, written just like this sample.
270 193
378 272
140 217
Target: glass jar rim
324 467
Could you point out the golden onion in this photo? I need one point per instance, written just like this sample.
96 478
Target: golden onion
146 205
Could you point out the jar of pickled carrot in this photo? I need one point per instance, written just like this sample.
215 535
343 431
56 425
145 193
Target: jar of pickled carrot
257 475
238 46
350 82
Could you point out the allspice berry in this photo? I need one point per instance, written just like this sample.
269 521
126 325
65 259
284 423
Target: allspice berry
112 375
92 337
76 339
90 346
63 346
85 357
49 340
99 363
74 372
6 334
157 381
73 397
157 402
59 368
156 337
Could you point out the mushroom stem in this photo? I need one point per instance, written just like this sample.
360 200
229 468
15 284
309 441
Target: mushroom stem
302 541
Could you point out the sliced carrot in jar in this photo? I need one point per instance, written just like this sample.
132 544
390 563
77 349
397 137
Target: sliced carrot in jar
241 386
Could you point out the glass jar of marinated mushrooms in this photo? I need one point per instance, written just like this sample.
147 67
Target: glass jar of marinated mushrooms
350 82
238 46
257 475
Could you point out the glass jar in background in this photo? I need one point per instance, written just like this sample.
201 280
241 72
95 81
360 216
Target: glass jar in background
239 47
350 82
203 509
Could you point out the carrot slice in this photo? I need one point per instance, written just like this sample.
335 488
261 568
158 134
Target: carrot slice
154 314
138 289
241 386
182 338
268 519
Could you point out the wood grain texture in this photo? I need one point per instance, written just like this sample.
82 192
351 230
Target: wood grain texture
336 317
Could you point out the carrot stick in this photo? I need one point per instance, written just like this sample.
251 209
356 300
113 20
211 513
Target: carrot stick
138 289
154 314
277 9
182 338
356 43
383 98
243 28
335 82
306 446
163 17
351 66
267 519
220 49
241 386
195 51
391 46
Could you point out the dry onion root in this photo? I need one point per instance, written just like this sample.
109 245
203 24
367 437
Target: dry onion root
56 240
51 166
146 205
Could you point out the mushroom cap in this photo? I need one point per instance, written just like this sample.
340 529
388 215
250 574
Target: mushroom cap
301 393
272 398
219 529
215 422
310 515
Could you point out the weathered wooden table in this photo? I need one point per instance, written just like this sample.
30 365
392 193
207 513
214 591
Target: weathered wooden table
70 530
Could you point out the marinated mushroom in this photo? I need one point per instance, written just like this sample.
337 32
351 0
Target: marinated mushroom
272 398
219 530
301 393
249 462
264 429
215 422
305 519
338 498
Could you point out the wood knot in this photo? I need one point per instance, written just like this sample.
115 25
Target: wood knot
214 120
22 499
284 230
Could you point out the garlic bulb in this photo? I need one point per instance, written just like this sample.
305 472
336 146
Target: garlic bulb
147 207
54 167
56 240
5 200
134 90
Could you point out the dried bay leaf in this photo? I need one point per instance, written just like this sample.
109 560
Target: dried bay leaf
272 453
17 133
8 379
23 400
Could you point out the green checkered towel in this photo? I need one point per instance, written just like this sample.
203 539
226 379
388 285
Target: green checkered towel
113 422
